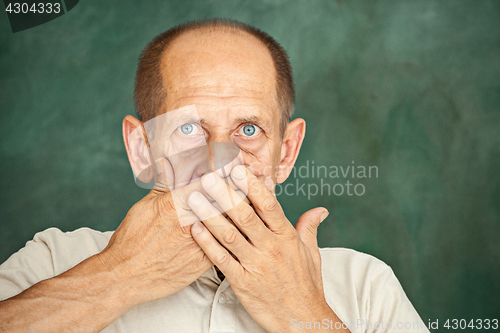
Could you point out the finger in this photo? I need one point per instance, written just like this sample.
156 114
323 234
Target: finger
242 196
228 180
181 194
244 185
242 214
233 186
307 228
216 252
219 190
165 182
263 200
216 205
219 226
175 202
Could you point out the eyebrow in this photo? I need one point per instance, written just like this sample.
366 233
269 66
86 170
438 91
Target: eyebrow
241 120
169 125
253 120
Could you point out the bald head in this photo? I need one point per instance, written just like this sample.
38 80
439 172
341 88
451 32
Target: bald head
218 62
218 54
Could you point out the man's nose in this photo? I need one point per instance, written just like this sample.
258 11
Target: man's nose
224 156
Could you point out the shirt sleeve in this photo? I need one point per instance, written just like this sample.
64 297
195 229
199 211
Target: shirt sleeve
365 294
50 253
389 307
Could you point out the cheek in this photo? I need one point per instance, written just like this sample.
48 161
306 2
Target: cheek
177 145
261 157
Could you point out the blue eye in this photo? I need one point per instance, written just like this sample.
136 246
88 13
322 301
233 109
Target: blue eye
186 129
250 130
189 129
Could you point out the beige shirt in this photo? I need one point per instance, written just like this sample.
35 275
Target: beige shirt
362 290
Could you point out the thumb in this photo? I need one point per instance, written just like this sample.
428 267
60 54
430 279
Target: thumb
307 226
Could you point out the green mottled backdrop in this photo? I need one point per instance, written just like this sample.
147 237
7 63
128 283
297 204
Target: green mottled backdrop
412 87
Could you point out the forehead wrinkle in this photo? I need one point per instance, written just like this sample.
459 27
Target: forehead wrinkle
221 91
215 101
216 96
229 78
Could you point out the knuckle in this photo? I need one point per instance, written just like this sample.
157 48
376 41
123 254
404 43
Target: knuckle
230 236
247 217
185 232
164 204
275 252
270 204
222 257
292 236
312 227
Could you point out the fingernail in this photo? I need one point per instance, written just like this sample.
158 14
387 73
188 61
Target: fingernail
208 180
324 215
239 172
195 198
197 228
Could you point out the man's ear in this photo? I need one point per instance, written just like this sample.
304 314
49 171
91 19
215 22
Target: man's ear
292 141
137 149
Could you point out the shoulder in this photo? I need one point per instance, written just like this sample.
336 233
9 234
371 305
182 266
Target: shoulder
50 253
360 286
335 259
55 238
349 273
349 280
70 248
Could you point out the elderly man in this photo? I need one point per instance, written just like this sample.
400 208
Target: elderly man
176 263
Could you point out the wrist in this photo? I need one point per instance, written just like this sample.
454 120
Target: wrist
320 319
